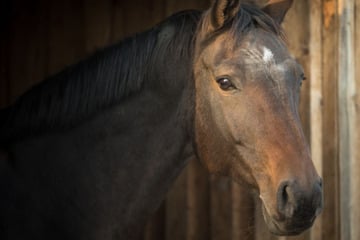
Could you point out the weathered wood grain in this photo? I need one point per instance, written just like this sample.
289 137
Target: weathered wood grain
347 121
316 95
355 101
198 202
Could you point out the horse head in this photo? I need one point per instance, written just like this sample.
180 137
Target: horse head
247 124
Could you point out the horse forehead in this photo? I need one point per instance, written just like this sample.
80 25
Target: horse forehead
259 46
255 59
266 48
266 56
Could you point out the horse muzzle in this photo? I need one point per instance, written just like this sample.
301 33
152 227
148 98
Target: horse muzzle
296 209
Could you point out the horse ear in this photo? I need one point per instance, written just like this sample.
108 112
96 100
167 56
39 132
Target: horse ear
277 9
223 10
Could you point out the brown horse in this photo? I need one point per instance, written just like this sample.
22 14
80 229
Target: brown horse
91 152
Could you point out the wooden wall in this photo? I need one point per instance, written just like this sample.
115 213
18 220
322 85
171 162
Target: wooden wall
40 37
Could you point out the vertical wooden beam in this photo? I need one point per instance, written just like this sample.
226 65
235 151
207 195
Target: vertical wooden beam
198 202
243 210
350 211
186 5
19 50
26 51
355 101
97 24
176 210
188 205
220 208
130 17
66 42
117 20
316 135
330 145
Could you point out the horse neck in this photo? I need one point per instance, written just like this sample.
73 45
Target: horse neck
148 144
133 151
134 148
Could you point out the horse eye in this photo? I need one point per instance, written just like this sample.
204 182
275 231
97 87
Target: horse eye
225 84
303 78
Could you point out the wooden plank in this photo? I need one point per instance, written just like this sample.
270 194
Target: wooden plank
129 18
350 211
198 204
356 129
19 49
316 134
117 21
330 216
176 210
98 24
187 205
25 48
220 208
243 210
185 5
36 59
66 34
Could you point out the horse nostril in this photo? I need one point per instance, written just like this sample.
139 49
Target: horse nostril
286 200
295 202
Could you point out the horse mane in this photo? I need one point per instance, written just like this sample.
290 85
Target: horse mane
115 73
106 78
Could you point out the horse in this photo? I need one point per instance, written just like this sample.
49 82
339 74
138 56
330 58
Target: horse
90 152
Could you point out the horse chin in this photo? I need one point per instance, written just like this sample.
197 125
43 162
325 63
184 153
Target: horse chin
283 228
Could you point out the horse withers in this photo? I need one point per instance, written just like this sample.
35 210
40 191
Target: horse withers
91 152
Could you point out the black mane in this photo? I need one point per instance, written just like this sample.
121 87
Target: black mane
115 73
106 78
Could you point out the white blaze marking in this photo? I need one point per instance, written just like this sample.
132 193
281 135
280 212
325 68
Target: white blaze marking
268 55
